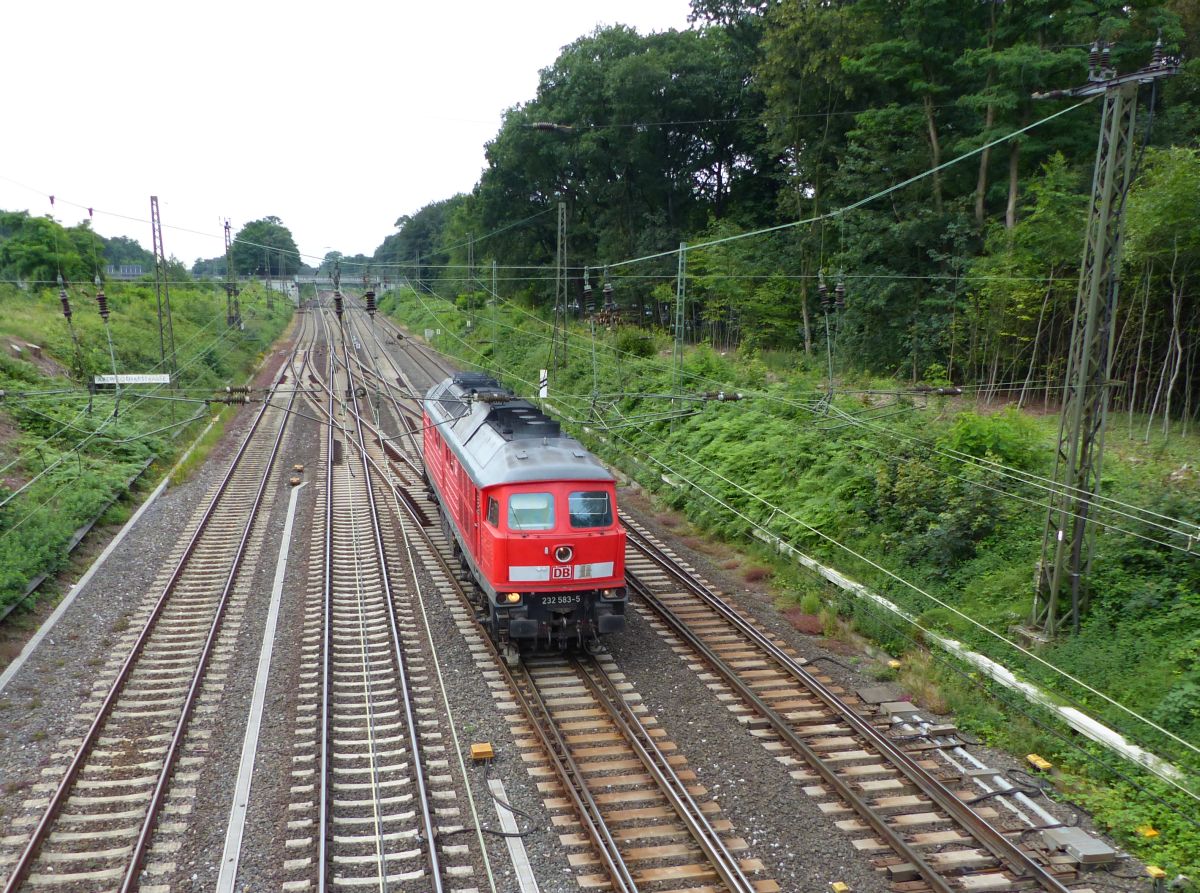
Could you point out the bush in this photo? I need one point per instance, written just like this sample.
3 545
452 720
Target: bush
637 343
1006 436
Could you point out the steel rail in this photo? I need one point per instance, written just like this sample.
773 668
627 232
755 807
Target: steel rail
429 357
545 729
398 648
596 678
1008 853
569 773
586 808
402 413
368 691
176 744
58 799
327 634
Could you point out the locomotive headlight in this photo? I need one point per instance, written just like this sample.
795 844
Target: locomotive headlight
512 597
563 554
610 593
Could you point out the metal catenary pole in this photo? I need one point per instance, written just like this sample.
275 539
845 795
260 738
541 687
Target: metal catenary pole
1069 537
680 300
162 290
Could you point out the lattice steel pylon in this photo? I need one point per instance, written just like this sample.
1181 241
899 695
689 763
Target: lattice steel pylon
231 318
558 343
1068 543
680 317
162 291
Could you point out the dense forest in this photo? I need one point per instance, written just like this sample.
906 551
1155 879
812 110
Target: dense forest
768 114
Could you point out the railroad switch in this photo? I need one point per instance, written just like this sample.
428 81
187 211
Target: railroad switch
482 751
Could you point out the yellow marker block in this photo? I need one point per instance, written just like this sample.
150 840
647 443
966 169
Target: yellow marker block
839 887
1148 831
294 481
480 752
297 467
1038 762
1155 872
894 664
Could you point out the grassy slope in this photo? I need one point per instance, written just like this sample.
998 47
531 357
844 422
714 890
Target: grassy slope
87 456
882 491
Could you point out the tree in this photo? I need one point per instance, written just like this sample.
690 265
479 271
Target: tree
265 247
39 249
420 237
123 250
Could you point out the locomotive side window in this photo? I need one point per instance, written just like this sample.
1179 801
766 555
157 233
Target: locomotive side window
531 511
493 511
590 508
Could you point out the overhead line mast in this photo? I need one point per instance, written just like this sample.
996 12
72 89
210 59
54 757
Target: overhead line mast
233 310
162 292
1067 546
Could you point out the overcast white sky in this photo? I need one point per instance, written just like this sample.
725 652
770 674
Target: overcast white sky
335 117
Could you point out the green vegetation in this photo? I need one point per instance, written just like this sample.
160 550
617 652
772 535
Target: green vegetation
771 117
892 492
769 113
265 247
70 459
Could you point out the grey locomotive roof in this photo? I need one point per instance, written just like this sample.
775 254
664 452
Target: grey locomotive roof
501 439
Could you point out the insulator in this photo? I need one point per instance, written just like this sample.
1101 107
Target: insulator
1094 57
610 302
839 292
589 302
66 304
1106 57
1157 58
370 296
337 304
102 303
823 296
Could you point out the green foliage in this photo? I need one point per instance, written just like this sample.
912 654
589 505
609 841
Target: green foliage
75 460
265 247
39 249
635 343
1007 436
902 502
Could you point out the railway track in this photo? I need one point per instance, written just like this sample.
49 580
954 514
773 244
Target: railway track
628 810
630 813
95 827
380 806
873 766
659 827
872 770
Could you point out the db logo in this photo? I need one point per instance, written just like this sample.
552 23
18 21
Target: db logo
561 572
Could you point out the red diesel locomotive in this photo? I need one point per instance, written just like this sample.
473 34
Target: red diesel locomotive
531 513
